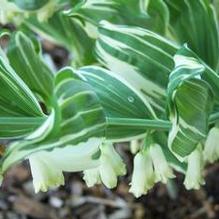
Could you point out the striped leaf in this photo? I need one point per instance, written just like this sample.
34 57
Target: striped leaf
67 32
116 95
20 112
208 75
194 22
126 113
17 127
152 14
30 4
139 56
190 101
119 100
29 65
81 120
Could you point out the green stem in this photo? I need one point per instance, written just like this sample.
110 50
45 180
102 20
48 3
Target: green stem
213 118
140 123
159 124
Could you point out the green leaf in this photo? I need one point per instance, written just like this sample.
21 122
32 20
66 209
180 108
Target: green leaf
158 16
66 32
190 101
20 112
16 98
119 100
161 138
76 120
152 14
208 75
29 65
139 56
30 5
194 22
116 95
85 100
16 127
124 109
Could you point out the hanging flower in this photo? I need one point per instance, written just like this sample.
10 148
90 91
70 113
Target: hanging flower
211 150
162 170
194 177
47 166
150 166
111 166
92 177
143 177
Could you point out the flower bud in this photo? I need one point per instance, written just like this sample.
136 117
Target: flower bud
134 146
108 151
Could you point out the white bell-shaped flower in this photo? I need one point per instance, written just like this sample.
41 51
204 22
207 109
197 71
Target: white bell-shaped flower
47 166
111 166
143 177
162 170
92 176
194 178
211 150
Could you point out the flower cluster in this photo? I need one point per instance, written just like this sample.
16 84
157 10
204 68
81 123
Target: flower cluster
150 166
111 166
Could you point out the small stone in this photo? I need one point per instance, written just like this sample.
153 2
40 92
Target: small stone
12 215
55 202
3 205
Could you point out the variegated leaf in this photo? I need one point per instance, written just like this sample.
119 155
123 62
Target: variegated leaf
29 65
77 120
190 102
194 22
152 14
30 4
67 32
82 114
139 56
119 100
20 112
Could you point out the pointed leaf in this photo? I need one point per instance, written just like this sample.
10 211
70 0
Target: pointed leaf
194 22
139 56
152 14
67 32
29 4
29 65
190 101
118 99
